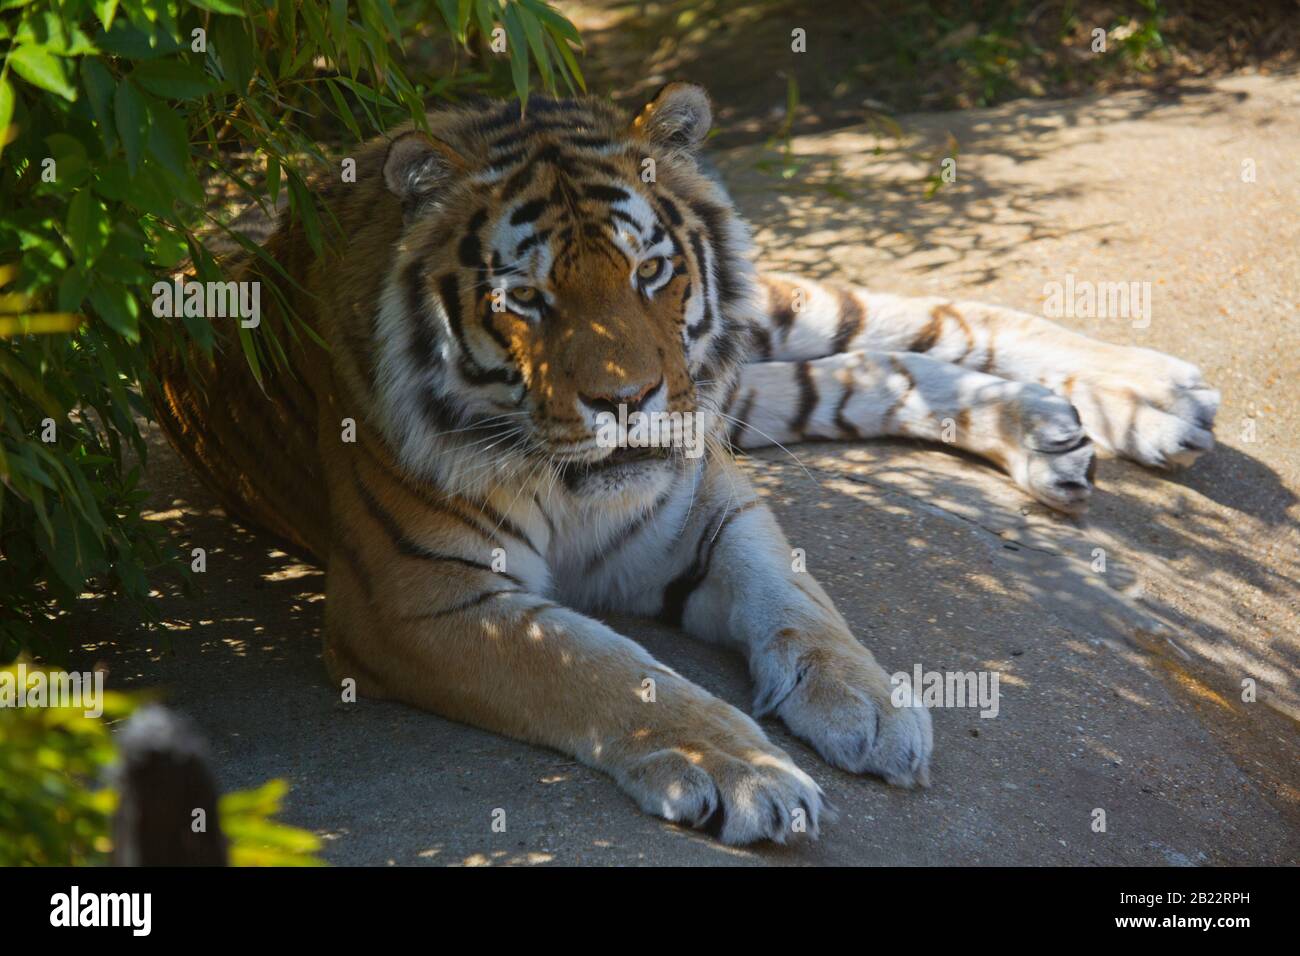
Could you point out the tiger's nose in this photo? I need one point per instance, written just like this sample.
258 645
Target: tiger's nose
631 396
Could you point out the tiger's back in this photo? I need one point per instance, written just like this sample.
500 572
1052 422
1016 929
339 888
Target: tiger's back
255 445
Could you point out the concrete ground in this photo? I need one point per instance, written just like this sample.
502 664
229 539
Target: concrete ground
1120 690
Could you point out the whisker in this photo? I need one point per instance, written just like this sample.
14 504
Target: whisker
793 456
481 424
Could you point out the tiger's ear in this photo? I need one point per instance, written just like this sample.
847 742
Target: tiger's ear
678 117
417 164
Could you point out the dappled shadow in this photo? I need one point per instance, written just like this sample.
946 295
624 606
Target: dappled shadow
382 783
933 559
1189 588
896 56
1235 480
868 192
1148 535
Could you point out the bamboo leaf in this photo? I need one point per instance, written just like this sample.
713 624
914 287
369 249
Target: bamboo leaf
533 31
100 86
87 228
132 119
518 51
38 66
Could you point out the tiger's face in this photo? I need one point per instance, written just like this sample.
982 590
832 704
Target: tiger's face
560 278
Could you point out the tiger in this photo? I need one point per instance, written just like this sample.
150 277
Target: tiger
508 283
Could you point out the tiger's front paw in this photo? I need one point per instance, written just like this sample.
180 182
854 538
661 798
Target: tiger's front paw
835 696
1147 406
719 773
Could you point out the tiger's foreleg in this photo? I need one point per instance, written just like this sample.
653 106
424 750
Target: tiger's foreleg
1027 430
519 665
416 614
1135 402
738 582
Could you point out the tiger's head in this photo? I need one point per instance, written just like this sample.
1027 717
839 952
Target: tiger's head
557 268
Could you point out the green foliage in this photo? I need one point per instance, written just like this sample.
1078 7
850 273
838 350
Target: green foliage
52 811
119 120
258 840
1000 57
1140 38
55 811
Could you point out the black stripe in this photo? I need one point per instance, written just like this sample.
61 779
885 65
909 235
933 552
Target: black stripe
842 423
514 138
550 525
807 397
782 312
464 606
604 193
549 155
499 267
528 212
724 349
484 316
705 323
850 324
741 423
283 397
716 222
672 606
440 413
475 374
413 549
527 130
503 522
628 532
670 207
470 249
449 292
413 283
449 510
590 164
589 142
507 160
510 113
530 241
422 346
602 244
621 216
353 562
679 590
519 181
550 104
732 392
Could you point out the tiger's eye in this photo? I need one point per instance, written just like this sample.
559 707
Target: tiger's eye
523 293
650 269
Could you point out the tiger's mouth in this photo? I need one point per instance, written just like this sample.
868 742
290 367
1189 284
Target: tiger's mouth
624 456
